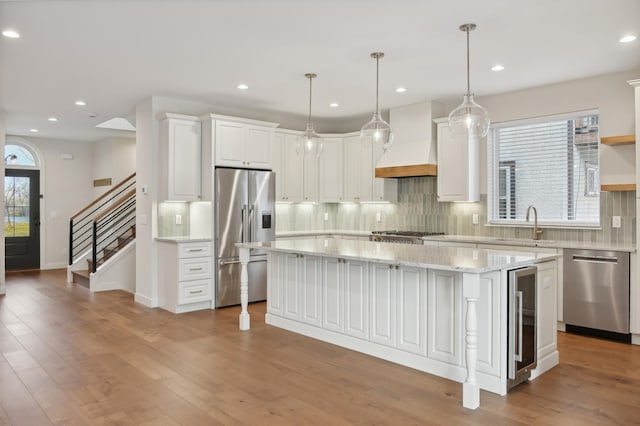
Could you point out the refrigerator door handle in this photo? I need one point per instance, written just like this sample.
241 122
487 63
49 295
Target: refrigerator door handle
251 232
244 223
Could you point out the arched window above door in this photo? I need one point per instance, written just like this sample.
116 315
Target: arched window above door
19 155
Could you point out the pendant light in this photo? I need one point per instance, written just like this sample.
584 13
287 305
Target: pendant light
469 118
377 130
311 142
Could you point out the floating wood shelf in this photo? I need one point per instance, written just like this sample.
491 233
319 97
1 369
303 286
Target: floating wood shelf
619 187
406 171
618 140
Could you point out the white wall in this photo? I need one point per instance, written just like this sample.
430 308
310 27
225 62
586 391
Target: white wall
113 158
609 93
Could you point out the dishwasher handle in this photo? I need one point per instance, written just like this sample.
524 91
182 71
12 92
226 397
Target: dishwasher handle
594 259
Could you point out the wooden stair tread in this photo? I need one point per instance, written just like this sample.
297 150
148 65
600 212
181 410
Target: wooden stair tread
81 277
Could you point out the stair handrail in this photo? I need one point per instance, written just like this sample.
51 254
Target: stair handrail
103 196
80 224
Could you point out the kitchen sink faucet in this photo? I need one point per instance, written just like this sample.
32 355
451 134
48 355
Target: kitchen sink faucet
536 232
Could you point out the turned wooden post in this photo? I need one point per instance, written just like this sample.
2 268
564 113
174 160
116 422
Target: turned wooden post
470 387
245 322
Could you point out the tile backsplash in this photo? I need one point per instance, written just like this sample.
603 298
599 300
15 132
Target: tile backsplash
418 209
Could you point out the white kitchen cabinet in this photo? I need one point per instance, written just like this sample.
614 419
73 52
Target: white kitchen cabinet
185 277
275 293
358 170
356 301
332 294
411 295
310 181
288 166
547 336
301 278
242 143
180 158
458 165
445 316
360 185
331 171
383 320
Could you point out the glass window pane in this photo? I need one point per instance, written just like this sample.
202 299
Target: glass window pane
16 214
18 156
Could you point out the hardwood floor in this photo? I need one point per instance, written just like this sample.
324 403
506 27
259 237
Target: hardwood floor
72 357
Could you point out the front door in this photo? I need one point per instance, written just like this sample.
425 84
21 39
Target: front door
22 219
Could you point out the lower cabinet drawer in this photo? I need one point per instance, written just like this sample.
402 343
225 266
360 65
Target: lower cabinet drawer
194 291
193 269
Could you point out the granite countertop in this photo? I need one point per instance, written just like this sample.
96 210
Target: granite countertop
447 258
526 242
183 239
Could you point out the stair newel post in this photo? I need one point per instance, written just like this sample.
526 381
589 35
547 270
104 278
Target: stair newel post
94 244
70 242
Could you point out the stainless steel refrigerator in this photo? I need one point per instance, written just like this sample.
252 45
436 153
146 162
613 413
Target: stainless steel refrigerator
244 212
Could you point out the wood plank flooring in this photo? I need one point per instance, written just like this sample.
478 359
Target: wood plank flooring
75 358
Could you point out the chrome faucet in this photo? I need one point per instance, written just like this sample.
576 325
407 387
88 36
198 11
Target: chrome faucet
536 232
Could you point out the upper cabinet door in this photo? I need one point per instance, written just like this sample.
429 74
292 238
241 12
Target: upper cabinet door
258 147
243 145
330 175
181 159
229 144
458 167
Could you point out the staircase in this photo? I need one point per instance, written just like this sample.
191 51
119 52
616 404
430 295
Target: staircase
100 231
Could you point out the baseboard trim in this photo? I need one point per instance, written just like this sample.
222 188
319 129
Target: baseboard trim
144 300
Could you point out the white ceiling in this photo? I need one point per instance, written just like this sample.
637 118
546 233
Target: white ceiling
113 54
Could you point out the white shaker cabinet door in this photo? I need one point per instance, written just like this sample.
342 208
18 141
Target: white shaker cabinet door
181 159
411 286
332 294
311 282
356 302
547 322
445 316
382 283
331 171
257 149
229 144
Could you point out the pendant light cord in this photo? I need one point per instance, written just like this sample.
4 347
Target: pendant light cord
468 79
377 81
310 82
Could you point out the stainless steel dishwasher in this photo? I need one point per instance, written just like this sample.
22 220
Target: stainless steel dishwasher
596 293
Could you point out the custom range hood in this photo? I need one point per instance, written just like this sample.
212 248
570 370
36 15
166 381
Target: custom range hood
413 152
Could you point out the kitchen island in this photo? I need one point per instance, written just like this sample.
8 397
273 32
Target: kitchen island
441 310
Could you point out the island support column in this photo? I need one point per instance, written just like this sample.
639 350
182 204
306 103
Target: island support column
470 387
245 322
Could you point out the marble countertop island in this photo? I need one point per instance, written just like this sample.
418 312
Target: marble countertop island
460 259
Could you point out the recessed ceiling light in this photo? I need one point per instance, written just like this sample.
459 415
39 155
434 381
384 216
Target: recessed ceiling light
81 103
627 39
334 105
10 34
401 89
52 119
34 130
497 67
242 86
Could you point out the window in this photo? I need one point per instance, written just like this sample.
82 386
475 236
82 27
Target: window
550 163
16 155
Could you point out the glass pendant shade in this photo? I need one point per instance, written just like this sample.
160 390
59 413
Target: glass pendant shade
469 118
311 144
377 131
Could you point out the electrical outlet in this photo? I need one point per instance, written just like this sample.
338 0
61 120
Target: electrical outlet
326 216
378 217
615 221
178 219
475 219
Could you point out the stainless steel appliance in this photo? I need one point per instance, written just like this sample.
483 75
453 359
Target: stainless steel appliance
522 352
406 237
244 212
596 293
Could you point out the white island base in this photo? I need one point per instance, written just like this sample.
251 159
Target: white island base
413 308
